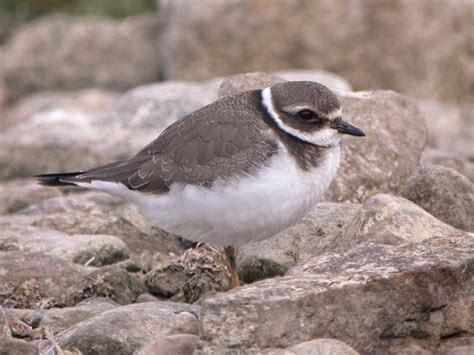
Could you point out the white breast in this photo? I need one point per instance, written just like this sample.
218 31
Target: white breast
244 210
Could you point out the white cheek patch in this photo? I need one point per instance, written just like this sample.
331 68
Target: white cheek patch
327 137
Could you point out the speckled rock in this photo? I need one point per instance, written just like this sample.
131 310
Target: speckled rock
461 350
59 319
323 347
248 81
179 344
17 347
449 160
317 233
368 298
443 192
50 54
123 329
95 250
392 220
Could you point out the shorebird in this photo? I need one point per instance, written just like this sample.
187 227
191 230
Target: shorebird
240 169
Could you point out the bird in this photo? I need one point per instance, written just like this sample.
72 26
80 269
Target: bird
241 169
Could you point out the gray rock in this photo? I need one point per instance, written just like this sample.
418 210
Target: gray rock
18 328
399 55
28 280
461 350
451 127
382 161
60 319
408 349
179 344
4 328
123 329
49 54
323 347
186 323
95 250
443 192
17 347
438 157
158 105
92 102
319 232
18 194
392 220
249 81
190 276
331 80
368 298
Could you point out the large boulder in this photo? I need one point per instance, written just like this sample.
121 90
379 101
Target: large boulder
443 192
370 297
61 52
399 54
123 329
317 233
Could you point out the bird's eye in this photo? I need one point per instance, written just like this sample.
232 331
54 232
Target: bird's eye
307 115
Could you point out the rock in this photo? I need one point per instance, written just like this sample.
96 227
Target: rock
17 347
461 350
249 81
382 161
399 56
28 280
49 54
93 102
368 297
4 327
317 233
95 250
191 275
443 192
67 141
158 105
18 328
186 323
180 344
392 220
437 157
113 282
323 347
450 127
59 319
408 349
146 297
18 194
123 329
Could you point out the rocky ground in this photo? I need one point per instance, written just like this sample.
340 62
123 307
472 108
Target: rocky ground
385 264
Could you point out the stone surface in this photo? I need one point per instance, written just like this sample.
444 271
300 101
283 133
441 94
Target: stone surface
93 101
18 194
190 276
179 344
249 81
60 319
451 127
443 192
331 80
323 347
4 328
317 233
17 347
392 220
123 329
460 164
382 161
367 298
160 104
28 280
399 55
461 350
95 250
60 52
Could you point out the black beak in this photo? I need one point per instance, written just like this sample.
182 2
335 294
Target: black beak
345 128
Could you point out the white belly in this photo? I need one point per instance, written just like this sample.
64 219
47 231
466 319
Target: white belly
245 210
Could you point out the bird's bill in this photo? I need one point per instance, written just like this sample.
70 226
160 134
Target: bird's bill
345 128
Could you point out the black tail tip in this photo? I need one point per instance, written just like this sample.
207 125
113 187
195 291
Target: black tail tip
56 179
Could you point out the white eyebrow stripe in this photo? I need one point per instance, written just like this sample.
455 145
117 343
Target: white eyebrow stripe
323 138
335 114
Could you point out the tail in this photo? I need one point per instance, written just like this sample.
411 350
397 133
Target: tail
57 179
